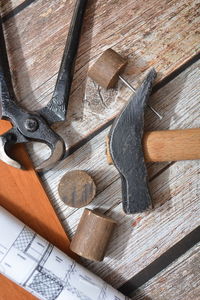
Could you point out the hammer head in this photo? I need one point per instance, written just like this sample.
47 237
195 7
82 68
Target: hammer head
125 145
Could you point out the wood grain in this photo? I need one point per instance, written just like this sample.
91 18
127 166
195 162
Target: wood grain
76 188
9 5
141 238
173 145
22 194
179 107
149 33
181 279
93 235
146 33
106 69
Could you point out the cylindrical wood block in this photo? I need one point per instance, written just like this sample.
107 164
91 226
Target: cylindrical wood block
106 69
92 235
76 188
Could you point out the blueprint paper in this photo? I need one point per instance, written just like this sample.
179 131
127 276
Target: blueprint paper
42 269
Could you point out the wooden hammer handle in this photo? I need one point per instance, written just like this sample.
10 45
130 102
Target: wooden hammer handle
169 145
172 145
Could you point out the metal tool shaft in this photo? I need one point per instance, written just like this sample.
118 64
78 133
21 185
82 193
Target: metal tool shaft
7 96
56 109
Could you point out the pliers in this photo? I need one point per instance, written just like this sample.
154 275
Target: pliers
36 125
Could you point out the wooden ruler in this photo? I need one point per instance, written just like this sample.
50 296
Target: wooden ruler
22 194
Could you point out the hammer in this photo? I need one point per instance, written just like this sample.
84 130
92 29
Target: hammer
128 148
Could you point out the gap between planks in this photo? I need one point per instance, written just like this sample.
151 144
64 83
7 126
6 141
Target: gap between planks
175 190
167 64
98 143
35 58
161 263
180 279
166 100
11 8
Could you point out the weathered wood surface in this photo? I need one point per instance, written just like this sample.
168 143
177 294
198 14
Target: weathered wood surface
8 6
149 33
180 280
141 238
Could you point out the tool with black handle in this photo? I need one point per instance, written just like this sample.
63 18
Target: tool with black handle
36 126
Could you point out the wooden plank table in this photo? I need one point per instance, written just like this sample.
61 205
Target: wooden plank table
144 253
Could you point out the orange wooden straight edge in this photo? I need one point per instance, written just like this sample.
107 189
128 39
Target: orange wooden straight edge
22 194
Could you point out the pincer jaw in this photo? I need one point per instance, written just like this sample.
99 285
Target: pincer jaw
57 152
5 157
30 127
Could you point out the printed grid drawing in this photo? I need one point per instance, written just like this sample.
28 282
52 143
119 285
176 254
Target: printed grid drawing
46 284
71 288
102 295
46 255
43 281
24 239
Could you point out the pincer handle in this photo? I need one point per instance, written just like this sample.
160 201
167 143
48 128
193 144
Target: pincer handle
56 109
7 96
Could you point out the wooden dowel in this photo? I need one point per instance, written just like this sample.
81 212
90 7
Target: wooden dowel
106 69
170 145
76 188
92 235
